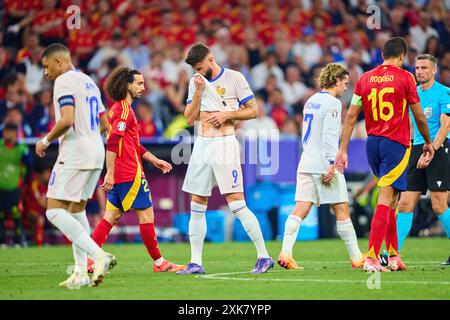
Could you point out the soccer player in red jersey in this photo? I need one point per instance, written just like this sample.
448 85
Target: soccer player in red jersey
125 179
384 94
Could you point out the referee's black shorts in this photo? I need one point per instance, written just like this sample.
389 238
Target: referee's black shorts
435 177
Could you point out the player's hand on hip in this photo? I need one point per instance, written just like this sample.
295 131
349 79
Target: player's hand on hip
108 183
199 83
327 177
341 161
162 165
40 149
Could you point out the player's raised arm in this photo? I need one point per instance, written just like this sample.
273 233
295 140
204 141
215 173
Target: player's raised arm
192 111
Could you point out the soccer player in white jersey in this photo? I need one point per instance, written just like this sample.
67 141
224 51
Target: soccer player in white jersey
317 180
81 155
218 97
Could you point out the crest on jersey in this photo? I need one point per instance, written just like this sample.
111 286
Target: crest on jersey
428 112
220 90
121 126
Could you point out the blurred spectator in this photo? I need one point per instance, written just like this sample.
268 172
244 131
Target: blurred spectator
254 46
13 161
34 200
261 71
278 109
398 24
433 47
144 113
223 46
40 118
175 97
82 43
421 32
293 90
174 64
138 53
306 50
410 60
30 72
50 23
289 129
99 62
15 116
269 87
5 67
261 126
30 44
12 98
444 76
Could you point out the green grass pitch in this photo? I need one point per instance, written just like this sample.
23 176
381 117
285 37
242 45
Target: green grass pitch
34 273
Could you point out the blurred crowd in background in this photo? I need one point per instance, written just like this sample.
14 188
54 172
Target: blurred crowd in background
279 46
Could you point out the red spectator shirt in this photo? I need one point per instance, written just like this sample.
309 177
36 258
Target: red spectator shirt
51 15
123 125
385 93
33 191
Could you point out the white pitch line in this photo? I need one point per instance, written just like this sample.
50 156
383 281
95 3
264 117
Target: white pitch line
224 276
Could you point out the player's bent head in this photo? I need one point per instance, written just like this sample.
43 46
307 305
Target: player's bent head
200 58
55 60
395 47
426 67
333 76
123 81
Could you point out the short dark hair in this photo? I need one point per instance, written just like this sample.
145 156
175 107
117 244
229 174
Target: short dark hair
116 85
426 56
53 48
394 48
197 53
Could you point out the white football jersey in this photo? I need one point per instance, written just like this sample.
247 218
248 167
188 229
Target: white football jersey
227 92
320 133
81 147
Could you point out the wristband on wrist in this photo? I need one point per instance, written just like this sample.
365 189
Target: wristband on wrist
45 141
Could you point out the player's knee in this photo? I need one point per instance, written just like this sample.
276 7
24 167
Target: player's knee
439 207
404 206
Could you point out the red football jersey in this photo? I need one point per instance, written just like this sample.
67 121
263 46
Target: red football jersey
122 122
385 93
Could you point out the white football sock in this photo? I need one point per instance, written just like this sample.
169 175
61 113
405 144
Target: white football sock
251 226
291 228
197 231
159 261
74 231
347 233
79 255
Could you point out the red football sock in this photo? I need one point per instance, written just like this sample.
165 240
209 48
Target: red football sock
39 235
378 229
148 236
101 232
391 235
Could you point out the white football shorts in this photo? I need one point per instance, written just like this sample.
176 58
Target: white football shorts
72 185
311 189
214 161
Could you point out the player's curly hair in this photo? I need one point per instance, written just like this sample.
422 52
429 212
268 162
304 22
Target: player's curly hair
116 85
330 75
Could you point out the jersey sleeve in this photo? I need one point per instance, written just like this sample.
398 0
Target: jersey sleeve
242 89
445 102
63 93
412 97
191 90
356 98
330 134
119 120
